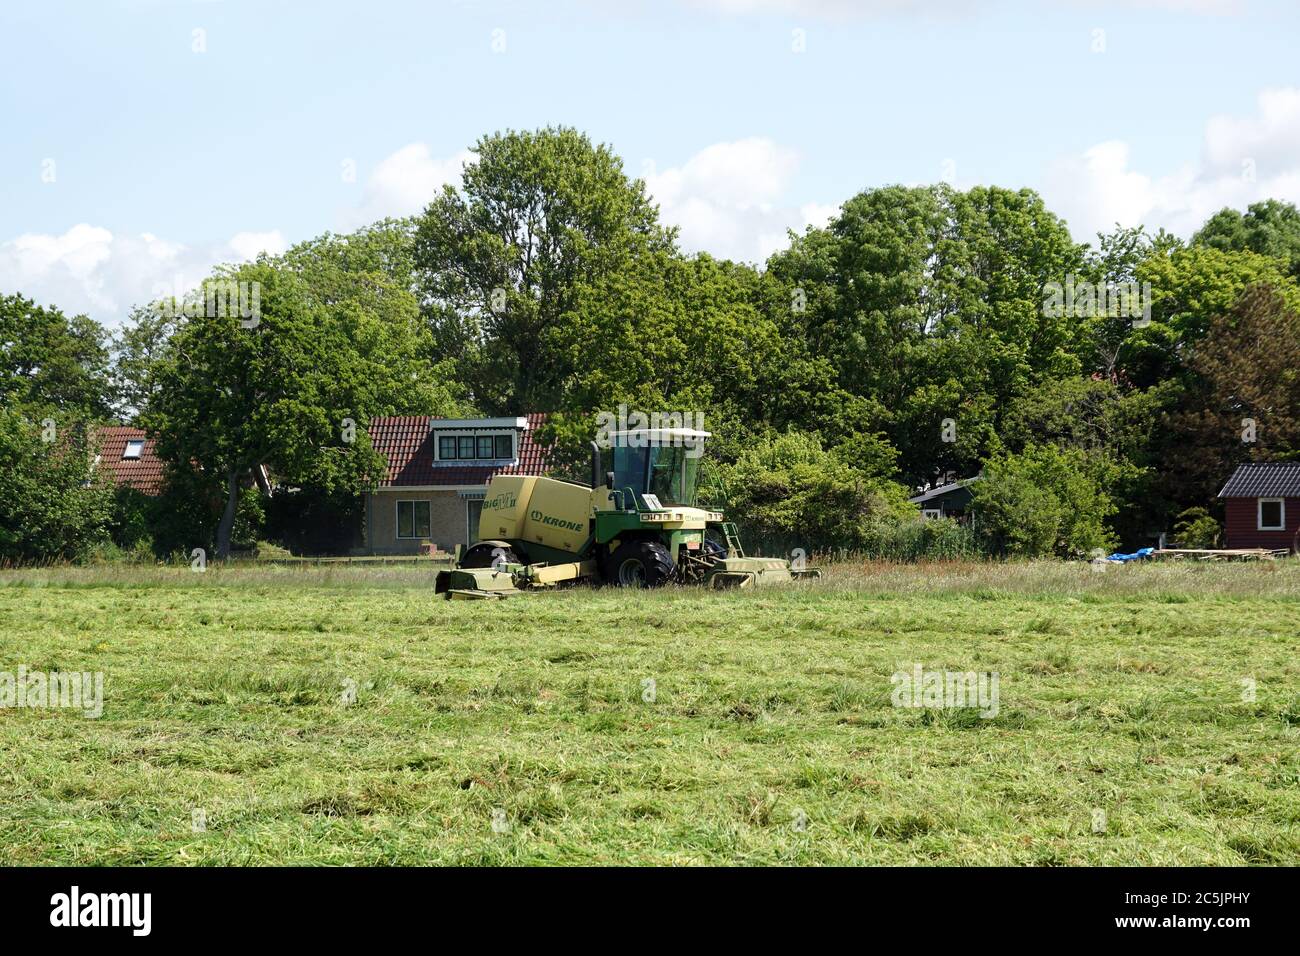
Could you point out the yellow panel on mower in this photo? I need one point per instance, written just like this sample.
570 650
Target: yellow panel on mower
543 511
505 506
559 515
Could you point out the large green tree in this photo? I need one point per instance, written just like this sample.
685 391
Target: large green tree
504 260
1189 287
1114 266
138 346
928 305
54 388
1269 228
50 363
293 388
669 334
1245 402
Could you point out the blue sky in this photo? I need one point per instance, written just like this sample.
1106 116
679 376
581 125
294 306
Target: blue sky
142 140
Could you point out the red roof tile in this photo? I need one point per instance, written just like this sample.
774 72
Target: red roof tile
143 474
406 441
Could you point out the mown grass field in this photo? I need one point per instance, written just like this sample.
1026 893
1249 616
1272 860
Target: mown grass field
225 691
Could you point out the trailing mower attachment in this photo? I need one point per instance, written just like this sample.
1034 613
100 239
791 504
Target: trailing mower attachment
465 584
753 572
507 579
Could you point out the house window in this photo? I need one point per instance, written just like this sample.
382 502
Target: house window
476 447
931 513
134 449
1272 514
413 519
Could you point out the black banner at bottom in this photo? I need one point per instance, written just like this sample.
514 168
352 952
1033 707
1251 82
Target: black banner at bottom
333 906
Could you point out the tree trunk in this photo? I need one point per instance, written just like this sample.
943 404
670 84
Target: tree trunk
228 516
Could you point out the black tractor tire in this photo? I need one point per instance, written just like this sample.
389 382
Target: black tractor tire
483 554
640 564
713 551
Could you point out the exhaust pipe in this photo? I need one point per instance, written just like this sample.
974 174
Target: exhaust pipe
595 465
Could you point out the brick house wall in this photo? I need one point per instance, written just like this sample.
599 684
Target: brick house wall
448 521
1241 520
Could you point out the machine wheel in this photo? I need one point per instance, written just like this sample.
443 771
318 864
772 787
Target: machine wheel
639 564
483 554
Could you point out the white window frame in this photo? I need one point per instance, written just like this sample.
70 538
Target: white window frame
1259 514
931 513
397 519
139 449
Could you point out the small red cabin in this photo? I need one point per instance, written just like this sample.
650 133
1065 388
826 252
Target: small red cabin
1262 506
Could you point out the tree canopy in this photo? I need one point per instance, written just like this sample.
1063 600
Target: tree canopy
917 338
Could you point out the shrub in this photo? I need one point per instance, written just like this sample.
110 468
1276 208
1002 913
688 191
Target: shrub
110 552
790 492
920 539
1016 517
250 517
51 507
132 518
184 516
1044 501
1194 528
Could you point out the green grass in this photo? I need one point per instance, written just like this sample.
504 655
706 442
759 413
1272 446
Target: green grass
1120 691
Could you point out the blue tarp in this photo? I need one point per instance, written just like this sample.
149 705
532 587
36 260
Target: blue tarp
1137 555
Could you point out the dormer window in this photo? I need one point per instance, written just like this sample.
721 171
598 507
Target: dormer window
481 442
493 447
134 449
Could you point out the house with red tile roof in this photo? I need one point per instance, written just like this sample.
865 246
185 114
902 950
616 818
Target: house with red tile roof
438 472
126 458
431 494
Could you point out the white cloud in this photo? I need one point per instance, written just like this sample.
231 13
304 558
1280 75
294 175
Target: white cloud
818 214
248 245
91 270
729 199
1271 137
1244 160
404 183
